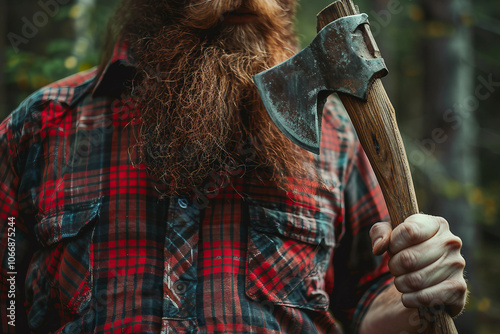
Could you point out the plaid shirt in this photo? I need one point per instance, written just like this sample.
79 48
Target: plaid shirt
101 251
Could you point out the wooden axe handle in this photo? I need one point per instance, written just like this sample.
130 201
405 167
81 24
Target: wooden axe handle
375 124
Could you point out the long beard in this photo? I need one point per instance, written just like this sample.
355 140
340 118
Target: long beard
199 111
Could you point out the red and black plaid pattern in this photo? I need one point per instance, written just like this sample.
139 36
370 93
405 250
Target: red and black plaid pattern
101 251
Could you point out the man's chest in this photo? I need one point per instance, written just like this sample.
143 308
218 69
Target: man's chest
108 237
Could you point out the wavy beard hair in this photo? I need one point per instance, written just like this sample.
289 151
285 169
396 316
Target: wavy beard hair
197 103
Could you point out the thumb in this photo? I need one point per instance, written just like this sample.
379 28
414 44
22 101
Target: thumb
380 235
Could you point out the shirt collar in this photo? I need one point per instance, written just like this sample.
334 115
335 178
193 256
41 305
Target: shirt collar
119 69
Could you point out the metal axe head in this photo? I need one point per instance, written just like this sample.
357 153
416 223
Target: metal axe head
340 59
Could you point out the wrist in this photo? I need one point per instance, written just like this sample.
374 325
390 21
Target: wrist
387 315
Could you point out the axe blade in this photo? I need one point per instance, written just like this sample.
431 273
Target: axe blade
296 114
337 60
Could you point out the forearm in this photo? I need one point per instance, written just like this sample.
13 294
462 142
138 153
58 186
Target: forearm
388 315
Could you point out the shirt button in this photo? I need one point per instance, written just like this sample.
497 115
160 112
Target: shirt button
183 203
180 287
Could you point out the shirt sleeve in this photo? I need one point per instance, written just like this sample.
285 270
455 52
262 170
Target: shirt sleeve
14 243
359 276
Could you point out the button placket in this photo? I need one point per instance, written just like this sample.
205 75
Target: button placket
181 252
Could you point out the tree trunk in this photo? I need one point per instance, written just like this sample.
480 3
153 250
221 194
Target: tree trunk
451 127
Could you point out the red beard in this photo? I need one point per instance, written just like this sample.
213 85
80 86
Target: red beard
198 103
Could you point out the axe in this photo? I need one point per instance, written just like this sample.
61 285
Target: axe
345 59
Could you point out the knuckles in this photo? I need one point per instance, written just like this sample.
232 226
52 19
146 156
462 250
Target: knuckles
406 261
410 232
413 227
426 298
452 292
455 261
419 299
460 263
409 283
456 296
415 282
458 286
453 242
442 223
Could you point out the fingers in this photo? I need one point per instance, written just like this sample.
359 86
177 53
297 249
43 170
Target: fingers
380 236
444 247
433 274
452 292
415 230
426 260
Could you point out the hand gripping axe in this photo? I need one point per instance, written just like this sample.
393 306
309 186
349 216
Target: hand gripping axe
345 59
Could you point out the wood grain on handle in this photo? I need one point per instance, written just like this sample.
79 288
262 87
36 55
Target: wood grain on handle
375 124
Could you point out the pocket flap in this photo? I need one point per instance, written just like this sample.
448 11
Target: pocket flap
68 222
312 230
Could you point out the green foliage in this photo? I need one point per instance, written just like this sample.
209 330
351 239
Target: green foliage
306 19
28 71
49 58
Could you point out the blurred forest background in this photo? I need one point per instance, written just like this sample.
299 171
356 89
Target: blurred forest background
444 81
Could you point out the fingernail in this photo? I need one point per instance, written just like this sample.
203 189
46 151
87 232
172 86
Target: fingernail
377 241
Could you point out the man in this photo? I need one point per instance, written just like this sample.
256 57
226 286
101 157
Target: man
155 195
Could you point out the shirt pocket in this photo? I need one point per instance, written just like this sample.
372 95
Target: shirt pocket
288 254
59 280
